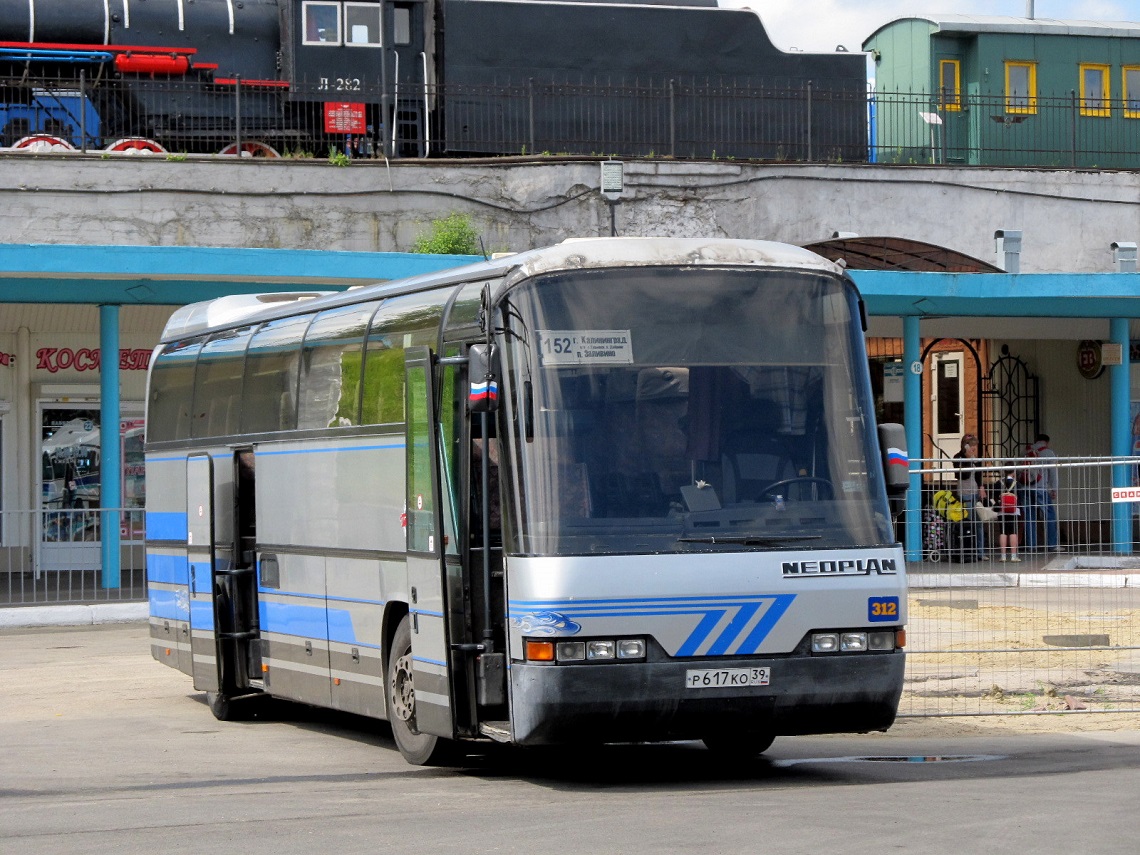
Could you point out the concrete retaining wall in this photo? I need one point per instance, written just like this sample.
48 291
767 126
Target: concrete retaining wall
1069 218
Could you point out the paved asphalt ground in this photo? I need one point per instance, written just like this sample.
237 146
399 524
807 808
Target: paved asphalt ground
103 750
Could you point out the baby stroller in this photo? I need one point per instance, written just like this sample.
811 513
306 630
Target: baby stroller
935 535
948 531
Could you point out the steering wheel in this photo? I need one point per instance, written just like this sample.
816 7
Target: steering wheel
827 491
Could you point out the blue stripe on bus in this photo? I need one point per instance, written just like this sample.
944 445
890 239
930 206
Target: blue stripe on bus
338 450
427 661
610 602
202 615
167 604
171 569
711 611
710 620
768 620
735 627
166 525
311 621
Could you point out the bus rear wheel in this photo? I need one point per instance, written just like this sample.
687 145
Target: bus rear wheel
729 745
419 749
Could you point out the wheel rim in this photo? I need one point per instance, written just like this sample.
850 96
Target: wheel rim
403 692
43 142
251 149
136 145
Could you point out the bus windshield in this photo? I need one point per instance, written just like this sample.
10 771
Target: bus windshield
679 410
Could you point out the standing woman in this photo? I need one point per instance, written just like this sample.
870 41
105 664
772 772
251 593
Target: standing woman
970 488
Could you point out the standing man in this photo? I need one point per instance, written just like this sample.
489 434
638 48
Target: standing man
1048 485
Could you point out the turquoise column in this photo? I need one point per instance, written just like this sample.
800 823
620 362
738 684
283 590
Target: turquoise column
912 423
1121 391
110 467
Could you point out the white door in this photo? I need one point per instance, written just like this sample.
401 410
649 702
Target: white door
69 487
946 402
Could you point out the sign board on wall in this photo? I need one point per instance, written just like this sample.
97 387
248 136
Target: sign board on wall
893 373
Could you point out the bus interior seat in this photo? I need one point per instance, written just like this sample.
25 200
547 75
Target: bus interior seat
751 463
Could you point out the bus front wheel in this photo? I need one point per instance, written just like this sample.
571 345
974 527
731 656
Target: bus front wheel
419 749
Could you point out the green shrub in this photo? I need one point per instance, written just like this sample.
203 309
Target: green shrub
452 235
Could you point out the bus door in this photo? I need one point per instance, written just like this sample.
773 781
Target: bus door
427 540
200 559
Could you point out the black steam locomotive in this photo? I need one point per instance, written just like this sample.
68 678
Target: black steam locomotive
419 78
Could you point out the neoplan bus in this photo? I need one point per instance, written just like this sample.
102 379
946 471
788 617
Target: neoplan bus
617 489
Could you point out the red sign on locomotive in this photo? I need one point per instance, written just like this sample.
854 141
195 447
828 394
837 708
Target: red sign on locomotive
344 117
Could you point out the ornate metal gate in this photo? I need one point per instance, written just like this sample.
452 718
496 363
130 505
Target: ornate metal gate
1012 409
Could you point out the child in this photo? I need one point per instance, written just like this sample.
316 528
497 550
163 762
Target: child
1008 512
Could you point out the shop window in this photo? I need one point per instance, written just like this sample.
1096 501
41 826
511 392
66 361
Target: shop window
320 23
1131 91
950 84
362 25
1095 93
1021 87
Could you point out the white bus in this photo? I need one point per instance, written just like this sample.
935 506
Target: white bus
613 490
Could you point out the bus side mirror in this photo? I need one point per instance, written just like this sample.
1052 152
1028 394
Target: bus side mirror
896 464
483 383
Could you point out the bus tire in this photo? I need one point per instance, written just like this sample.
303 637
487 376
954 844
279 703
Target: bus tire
750 744
222 706
419 749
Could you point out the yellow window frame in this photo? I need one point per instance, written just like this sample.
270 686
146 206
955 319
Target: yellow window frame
1130 95
1030 105
950 99
1102 107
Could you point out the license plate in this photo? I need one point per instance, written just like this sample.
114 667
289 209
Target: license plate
725 678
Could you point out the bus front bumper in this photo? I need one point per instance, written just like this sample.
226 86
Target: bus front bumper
652 701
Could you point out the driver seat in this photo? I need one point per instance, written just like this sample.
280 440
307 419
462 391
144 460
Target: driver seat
751 462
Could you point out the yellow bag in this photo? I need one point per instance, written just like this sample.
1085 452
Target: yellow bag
949 506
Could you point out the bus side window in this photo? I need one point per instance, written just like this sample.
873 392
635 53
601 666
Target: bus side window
400 322
270 388
331 364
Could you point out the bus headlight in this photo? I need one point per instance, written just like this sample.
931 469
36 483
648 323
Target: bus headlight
630 648
881 640
571 651
601 649
858 641
825 642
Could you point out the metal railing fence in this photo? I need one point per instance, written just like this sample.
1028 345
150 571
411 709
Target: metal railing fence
54 556
1054 632
1057 630
778 121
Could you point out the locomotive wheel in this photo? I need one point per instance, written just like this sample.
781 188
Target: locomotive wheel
135 145
251 149
43 142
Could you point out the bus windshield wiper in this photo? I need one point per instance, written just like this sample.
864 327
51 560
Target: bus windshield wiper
749 540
